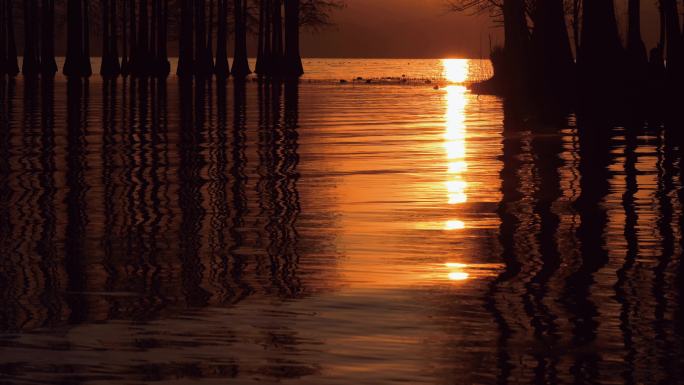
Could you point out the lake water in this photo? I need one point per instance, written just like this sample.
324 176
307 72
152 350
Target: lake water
332 233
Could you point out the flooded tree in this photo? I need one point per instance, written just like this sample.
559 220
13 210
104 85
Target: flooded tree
47 40
636 49
240 64
222 68
186 50
293 60
163 66
77 62
31 57
553 59
9 64
110 53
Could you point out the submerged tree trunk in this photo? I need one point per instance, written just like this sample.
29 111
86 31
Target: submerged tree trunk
77 62
110 56
47 46
164 67
601 55
185 44
240 64
516 47
553 62
10 63
674 43
31 63
222 68
277 42
293 59
636 50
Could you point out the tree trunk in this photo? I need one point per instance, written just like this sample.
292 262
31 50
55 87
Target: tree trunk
201 65
553 61
277 44
636 50
601 55
210 36
163 55
74 55
516 47
673 41
3 40
85 56
262 36
143 58
31 63
185 46
240 64
47 60
222 68
293 59
11 60
132 39
125 63
110 57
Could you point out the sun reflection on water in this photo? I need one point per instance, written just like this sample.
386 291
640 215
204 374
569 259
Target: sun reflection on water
455 145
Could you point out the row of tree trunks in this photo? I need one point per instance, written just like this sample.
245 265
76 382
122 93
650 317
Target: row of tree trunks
276 58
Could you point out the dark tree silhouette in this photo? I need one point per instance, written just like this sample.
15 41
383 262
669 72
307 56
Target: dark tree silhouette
277 38
132 39
636 49
553 60
144 59
8 49
674 43
186 51
110 54
47 44
163 65
77 62
222 68
203 59
293 60
240 64
31 62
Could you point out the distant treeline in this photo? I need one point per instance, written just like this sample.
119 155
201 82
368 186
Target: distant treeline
538 57
135 35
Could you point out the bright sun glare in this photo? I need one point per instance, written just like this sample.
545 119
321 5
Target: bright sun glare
455 70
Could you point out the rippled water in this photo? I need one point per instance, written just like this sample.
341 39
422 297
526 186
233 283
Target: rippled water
322 233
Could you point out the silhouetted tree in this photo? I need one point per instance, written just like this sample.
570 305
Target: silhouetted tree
240 64
673 41
222 68
601 55
31 62
636 49
163 65
277 38
110 53
8 49
78 54
144 59
553 61
293 60
186 51
203 59
47 44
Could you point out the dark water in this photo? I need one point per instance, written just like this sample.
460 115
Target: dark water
160 232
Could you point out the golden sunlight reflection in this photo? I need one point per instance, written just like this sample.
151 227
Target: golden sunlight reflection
455 70
455 145
456 272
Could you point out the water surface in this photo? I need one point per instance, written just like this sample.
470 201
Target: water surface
327 233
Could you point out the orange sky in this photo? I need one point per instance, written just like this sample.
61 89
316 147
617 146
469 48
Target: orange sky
420 29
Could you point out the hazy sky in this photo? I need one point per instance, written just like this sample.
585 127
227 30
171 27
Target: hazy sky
421 28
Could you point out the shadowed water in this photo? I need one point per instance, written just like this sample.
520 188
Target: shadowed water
320 233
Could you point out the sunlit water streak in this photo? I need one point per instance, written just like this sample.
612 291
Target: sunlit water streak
330 234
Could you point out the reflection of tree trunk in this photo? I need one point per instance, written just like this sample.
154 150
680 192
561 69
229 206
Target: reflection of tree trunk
240 64
222 68
293 59
47 59
31 63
